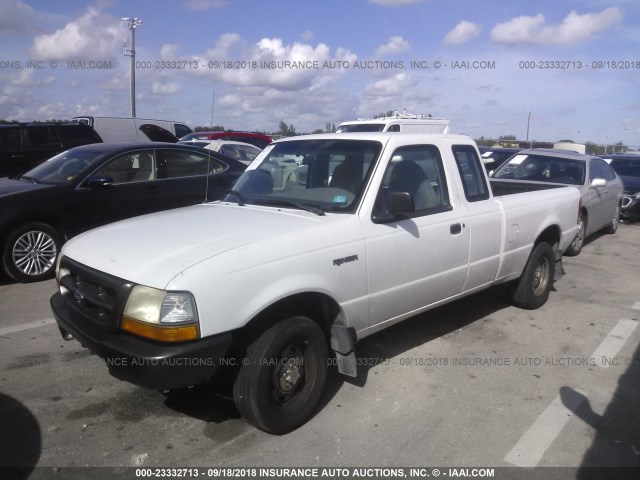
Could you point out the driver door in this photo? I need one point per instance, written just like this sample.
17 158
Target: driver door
134 191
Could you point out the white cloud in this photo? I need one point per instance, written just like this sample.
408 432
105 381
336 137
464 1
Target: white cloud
307 35
93 36
25 78
462 33
394 46
206 4
573 29
168 51
170 88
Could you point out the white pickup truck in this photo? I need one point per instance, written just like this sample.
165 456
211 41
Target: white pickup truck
279 280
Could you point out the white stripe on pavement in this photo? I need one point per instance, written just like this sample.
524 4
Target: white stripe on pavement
26 326
612 344
535 441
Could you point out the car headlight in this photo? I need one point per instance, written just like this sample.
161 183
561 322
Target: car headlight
160 315
638 196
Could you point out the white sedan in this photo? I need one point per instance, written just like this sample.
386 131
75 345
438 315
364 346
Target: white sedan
243 152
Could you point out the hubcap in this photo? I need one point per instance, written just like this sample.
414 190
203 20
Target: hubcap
577 242
541 276
291 370
34 253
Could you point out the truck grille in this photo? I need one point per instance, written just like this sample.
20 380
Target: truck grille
96 296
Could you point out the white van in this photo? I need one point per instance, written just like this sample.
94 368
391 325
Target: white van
406 123
117 129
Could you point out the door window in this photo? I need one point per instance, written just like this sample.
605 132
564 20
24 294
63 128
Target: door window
131 167
176 164
417 170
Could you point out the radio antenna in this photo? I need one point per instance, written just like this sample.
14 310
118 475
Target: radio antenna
206 192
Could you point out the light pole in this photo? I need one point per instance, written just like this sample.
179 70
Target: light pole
132 23
528 122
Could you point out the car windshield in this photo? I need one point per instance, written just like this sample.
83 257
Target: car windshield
542 168
64 168
317 175
361 127
628 168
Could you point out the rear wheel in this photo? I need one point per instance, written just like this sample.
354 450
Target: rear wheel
282 376
576 246
615 221
30 252
533 288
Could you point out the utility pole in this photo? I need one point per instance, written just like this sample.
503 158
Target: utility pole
132 23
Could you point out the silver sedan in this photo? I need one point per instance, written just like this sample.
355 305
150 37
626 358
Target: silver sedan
599 185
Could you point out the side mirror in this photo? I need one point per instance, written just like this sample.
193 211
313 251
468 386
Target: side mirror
599 182
99 182
400 202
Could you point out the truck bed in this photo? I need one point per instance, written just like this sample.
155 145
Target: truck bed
509 187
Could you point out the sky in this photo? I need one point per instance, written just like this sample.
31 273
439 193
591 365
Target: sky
562 69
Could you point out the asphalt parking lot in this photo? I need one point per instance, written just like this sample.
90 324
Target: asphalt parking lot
475 383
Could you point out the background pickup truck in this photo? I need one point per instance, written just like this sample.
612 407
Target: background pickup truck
283 278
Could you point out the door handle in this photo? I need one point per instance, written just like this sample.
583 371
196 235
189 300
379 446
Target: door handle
455 229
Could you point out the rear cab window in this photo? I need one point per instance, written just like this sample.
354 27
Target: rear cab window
474 181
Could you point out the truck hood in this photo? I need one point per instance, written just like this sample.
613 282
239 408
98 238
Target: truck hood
153 249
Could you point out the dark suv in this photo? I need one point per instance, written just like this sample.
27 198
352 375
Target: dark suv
23 146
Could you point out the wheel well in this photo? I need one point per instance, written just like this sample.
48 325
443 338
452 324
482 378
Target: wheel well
9 228
319 307
550 235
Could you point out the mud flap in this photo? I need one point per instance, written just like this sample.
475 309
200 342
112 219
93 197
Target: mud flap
558 270
343 341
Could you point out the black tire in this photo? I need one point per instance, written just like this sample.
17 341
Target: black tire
613 227
271 390
533 287
576 246
30 251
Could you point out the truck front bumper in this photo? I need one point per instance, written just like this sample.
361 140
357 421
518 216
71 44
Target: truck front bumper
161 366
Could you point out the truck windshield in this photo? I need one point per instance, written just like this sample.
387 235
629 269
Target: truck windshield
316 175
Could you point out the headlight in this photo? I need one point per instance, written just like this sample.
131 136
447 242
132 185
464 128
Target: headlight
159 315
638 196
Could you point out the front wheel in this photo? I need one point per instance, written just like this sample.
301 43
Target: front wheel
533 288
30 252
282 376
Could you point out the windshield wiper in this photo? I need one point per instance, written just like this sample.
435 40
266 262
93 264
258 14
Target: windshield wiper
31 179
302 206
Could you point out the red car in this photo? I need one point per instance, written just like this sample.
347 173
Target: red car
257 139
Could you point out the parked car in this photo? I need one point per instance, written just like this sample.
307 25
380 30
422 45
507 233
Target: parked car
92 185
241 151
23 146
128 129
492 158
257 139
600 187
627 166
